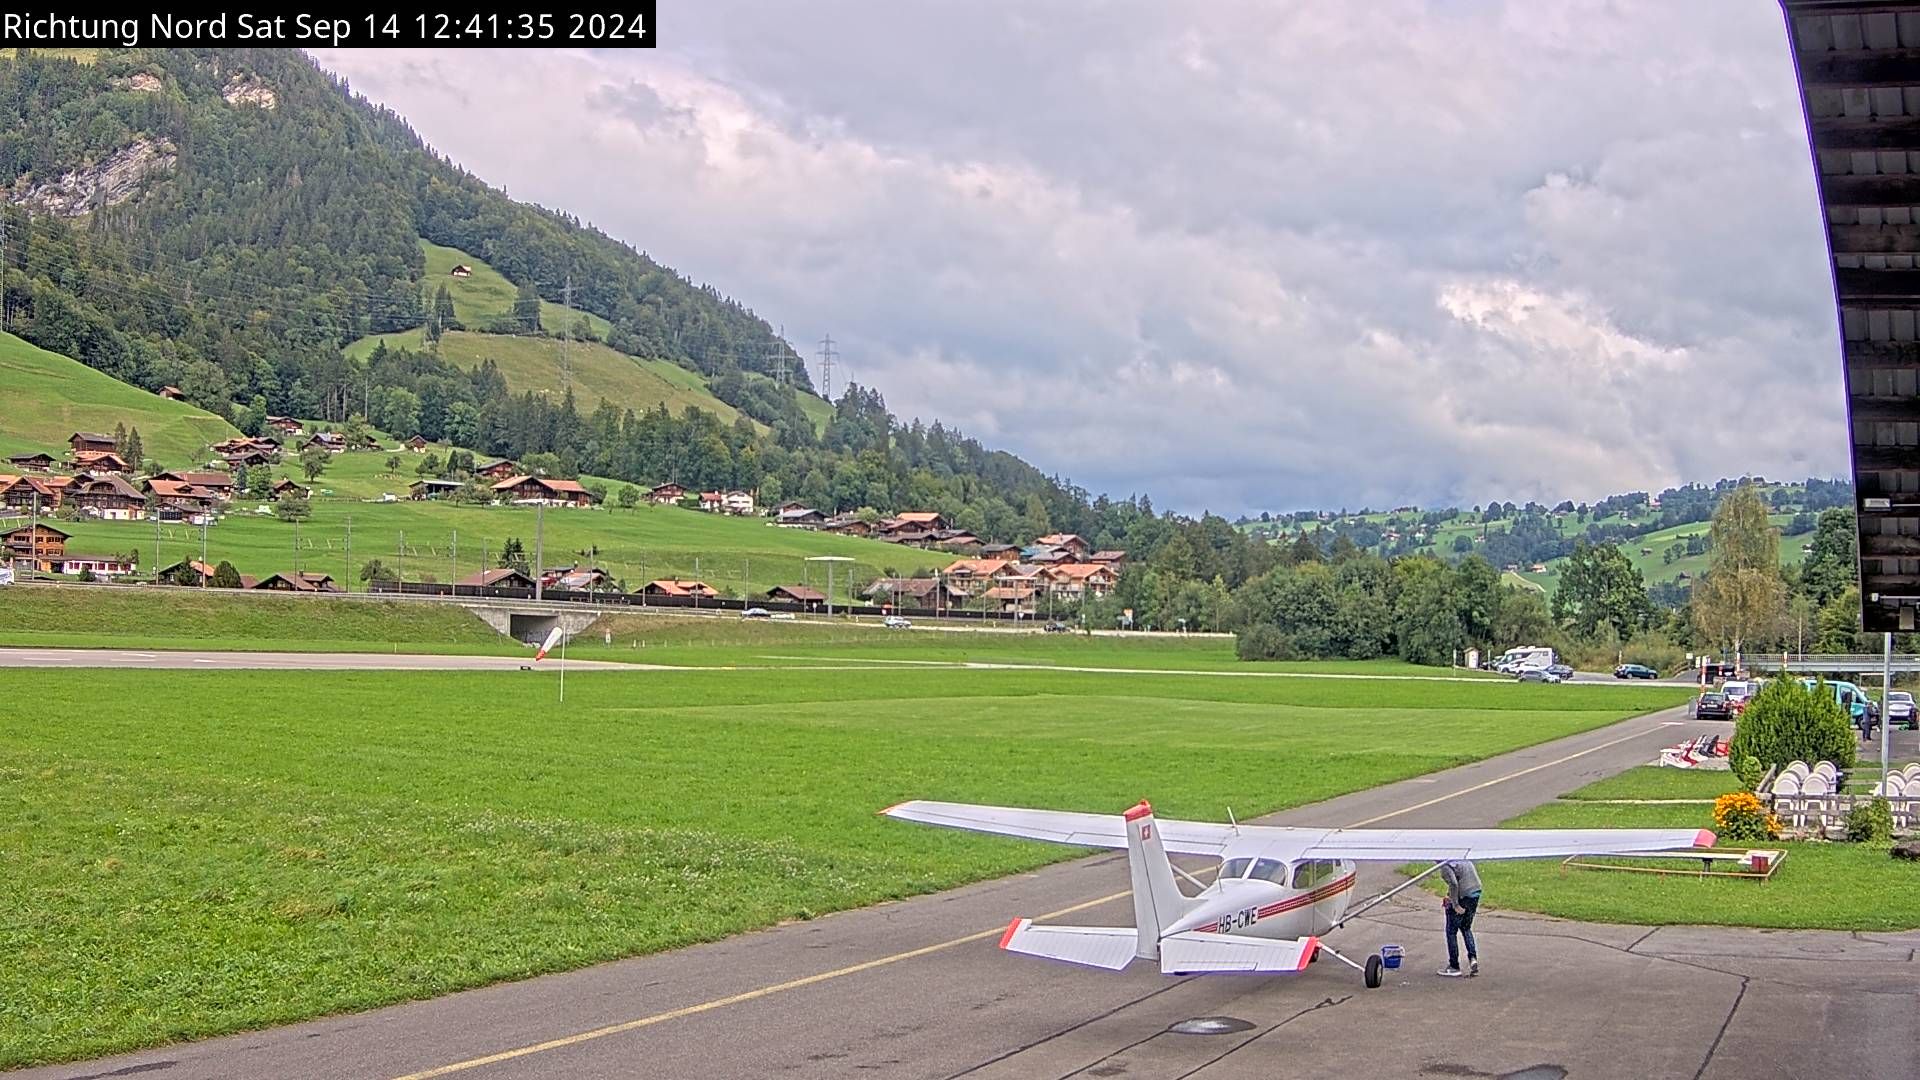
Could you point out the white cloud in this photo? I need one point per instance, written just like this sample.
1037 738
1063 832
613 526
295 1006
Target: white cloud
1273 257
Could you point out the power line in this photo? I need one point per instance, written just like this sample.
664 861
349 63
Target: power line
827 357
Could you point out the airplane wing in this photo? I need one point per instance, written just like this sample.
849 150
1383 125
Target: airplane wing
1435 845
1192 953
1063 827
1281 842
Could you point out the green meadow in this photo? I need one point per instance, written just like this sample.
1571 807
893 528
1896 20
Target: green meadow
189 853
49 397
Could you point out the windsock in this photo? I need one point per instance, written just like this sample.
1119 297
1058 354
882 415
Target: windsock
547 646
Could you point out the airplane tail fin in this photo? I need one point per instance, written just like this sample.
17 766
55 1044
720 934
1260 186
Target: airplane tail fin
1157 899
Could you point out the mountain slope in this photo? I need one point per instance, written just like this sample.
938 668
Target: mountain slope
50 396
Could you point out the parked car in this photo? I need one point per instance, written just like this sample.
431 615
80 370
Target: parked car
1565 671
1540 674
1057 627
1635 671
756 613
786 616
1712 705
896 622
1901 711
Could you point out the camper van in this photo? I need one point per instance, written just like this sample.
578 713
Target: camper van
1526 658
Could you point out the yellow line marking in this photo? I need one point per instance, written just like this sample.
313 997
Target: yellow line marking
925 950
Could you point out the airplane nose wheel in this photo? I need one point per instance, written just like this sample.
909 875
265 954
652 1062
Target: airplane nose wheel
1371 976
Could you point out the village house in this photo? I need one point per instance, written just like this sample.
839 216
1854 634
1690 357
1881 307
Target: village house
107 496
578 579
34 462
927 593
668 494
847 525
914 524
25 493
500 578
287 426
1074 544
672 588
736 502
540 491
498 469
462 270
218 484
103 566
712 501
800 517
183 572
955 540
331 441
1115 559
1074 580
181 497
286 489
100 461
1016 600
298 582
798 594
1043 553
91 442
172 393
421 490
418 444
968 577
38 546
998 551
248 459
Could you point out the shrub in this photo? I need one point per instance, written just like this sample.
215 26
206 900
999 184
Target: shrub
1739 816
1786 721
1749 770
1263 641
1870 822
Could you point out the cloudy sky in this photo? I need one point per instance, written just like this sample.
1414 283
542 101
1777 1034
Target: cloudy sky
1283 255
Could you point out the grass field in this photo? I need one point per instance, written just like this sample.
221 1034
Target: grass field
49 397
189 853
735 554
488 295
1647 554
1833 886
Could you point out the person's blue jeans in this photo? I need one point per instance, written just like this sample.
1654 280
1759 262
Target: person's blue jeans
1460 923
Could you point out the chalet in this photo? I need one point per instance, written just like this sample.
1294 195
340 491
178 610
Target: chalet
461 271
418 444
39 546
243 444
91 442
35 462
28 493
736 502
180 496
932 593
968 576
1115 558
287 425
298 582
421 490
331 441
171 393
1537 568
848 525
956 540
498 469
578 579
712 501
540 491
799 594
107 496
502 578
100 461
1042 553
1079 579
218 484
915 521
1072 542
184 571
288 489
800 517
174 514
1011 599
998 551
790 504
248 459
106 566
678 588
666 494
908 537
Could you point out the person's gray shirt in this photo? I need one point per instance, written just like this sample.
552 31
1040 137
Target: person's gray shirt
1461 878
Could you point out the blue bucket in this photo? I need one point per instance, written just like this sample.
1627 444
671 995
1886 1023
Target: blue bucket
1390 955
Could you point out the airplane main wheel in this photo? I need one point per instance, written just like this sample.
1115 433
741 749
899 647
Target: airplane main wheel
1373 972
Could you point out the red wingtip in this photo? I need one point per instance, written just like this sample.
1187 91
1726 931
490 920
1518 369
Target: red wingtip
1704 838
1012 928
890 809
1306 954
1140 809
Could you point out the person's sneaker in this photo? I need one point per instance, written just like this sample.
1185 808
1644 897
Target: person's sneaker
1473 967
1449 972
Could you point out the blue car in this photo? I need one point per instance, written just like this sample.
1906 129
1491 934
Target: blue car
1635 671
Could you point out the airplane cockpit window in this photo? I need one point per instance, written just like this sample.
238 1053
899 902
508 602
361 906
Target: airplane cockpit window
1234 868
1272 870
1309 873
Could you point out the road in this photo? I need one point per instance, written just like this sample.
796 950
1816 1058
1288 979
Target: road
918 989
207 660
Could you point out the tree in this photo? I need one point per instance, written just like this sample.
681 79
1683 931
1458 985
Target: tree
375 570
120 440
393 463
1742 595
1522 617
314 461
429 466
292 508
225 576
1787 721
629 497
513 555
259 483
1601 586
1833 564
136 451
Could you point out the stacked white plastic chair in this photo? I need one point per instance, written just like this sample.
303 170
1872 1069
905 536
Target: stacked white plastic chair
1902 795
1813 800
1786 796
1911 772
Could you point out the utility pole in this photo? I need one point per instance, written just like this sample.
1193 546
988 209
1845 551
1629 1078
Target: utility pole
539 548
454 570
566 339
1886 690
402 556
34 543
827 357
156 549
350 555
776 356
3 272
205 510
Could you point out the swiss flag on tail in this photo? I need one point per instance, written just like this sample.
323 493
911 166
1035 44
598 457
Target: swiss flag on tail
547 646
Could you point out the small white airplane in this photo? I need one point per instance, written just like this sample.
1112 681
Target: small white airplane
1277 891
